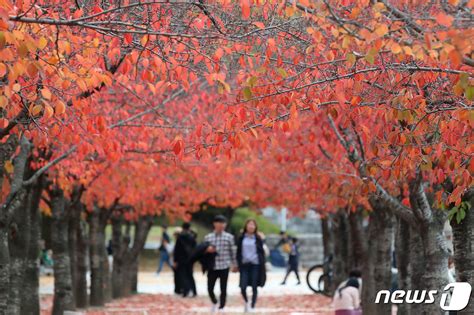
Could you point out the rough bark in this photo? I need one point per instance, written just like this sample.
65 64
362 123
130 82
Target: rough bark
75 210
134 276
142 228
4 269
82 299
101 290
402 252
328 242
436 254
341 247
10 267
463 241
416 267
19 238
97 297
105 268
377 270
72 246
63 294
430 227
356 239
30 290
328 246
120 245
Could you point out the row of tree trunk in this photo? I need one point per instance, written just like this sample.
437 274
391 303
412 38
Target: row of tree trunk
78 244
420 251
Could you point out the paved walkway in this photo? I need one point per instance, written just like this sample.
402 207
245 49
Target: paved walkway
157 297
159 304
150 283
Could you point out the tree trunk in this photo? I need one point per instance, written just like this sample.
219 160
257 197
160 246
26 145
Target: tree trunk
104 263
429 225
134 276
402 252
82 299
328 248
341 247
463 240
435 250
416 268
72 242
328 242
377 271
97 291
19 240
120 245
30 290
10 267
75 209
142 228
4 269
356 239
63 294
117 272
101 291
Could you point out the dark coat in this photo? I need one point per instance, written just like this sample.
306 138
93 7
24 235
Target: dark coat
184 247
261 258
207 260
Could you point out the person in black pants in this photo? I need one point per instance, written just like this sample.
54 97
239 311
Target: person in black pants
222 244
183 250
251 261
293 260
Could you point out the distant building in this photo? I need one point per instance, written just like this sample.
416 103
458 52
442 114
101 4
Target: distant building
310 223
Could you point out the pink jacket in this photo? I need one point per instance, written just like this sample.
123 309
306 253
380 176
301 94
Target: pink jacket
349 299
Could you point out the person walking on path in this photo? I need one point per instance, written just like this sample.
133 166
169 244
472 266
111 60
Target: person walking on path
221 243
164 250
347 298
177 285
183 250
293 260
251 262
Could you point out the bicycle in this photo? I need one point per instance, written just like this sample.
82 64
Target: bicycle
319 277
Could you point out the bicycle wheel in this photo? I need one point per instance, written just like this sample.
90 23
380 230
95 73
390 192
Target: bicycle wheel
313 276
324 283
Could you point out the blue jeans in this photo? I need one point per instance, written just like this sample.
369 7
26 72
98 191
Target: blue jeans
249 275
164 258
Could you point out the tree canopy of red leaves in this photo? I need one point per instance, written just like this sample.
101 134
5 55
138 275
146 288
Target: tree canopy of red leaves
307 104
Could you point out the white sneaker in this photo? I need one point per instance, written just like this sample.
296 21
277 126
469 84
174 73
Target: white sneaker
246 307
214 308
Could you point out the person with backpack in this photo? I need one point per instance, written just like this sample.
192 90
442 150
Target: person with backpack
293 260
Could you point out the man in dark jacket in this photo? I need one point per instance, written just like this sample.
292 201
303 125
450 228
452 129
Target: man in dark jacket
184 247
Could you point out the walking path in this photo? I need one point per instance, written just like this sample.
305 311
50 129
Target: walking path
157 297
150 283
159 304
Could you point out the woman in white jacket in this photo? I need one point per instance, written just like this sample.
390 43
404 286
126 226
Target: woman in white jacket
347 298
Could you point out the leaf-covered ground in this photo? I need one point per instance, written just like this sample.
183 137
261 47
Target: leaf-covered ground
167 304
